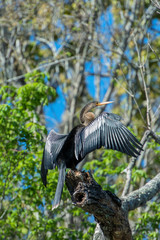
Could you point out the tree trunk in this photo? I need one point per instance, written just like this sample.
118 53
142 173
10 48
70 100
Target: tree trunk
87 194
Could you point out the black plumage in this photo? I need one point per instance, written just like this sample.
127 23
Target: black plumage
66 151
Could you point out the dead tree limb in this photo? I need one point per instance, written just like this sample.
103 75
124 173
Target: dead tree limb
110 212
87 194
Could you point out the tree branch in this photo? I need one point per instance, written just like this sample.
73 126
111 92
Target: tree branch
98 234
155 137
141 196
128 170
42 66
104 205
141 65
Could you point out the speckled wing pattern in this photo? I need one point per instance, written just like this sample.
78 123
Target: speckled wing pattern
108 131
52 148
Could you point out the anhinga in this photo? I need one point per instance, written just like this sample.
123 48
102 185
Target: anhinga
66 151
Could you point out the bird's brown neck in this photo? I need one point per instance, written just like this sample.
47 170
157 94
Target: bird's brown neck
89 117
85 116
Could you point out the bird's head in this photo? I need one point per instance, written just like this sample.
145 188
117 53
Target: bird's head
85 116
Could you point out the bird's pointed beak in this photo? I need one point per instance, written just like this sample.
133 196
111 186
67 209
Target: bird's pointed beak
104 103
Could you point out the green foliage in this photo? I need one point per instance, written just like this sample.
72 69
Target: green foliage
137 175
25 203
148 223
109 166
20 153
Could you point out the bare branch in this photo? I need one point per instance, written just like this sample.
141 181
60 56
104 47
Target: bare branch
42 66
98 234
141 196
155 137
154 51
154 118
128 170
132 95
145 87
78 77
156 4
147 16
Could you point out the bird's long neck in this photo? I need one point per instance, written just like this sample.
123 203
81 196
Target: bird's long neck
85 116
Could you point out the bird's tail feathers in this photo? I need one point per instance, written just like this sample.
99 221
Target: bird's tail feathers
59 189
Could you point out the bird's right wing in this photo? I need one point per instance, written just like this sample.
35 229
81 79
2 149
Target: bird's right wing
106 130
52 148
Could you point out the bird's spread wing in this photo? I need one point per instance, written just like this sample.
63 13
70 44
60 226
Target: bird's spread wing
106 130
52 148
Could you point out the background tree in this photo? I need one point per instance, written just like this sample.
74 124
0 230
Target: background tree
74 51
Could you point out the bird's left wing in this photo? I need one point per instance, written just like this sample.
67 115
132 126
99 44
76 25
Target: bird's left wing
106 130
52 148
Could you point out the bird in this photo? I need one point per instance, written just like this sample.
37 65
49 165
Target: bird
67 150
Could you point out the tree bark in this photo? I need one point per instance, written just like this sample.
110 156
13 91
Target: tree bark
139 197
87 194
